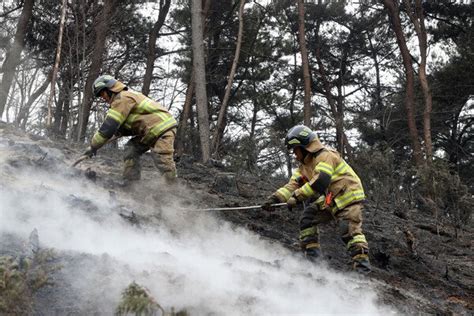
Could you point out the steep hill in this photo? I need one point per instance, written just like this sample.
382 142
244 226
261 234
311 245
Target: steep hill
102 236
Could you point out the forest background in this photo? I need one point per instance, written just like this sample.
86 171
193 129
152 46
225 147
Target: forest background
388 83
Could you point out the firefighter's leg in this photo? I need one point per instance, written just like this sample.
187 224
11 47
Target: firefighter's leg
163 155
132 152
350 226
309 232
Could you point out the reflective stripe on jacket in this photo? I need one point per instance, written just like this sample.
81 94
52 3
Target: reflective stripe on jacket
135 114
345 185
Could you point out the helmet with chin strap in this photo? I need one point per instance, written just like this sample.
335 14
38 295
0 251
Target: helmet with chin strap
299 136
103 82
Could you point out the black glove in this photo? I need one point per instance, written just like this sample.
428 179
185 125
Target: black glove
90 152
267 206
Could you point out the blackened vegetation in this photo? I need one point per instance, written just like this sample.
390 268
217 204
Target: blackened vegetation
421 251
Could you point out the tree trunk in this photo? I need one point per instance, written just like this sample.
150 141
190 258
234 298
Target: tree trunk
327 92
183 128
394 15
12 56
183 121
151 55
65 112
305 64
378 89
418 21
22 117
221 121
102 22
56 63
200 73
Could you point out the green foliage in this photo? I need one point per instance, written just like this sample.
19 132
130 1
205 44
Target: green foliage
137 301
21 278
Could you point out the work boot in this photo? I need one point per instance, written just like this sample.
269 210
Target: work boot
170 177
361 264
313 254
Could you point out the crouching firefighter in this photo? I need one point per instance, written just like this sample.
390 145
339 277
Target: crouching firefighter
330 190
134 114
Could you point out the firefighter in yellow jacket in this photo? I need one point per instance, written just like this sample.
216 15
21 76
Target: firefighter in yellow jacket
330 190
134 114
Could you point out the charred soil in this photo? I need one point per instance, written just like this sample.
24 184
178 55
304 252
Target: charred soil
419 264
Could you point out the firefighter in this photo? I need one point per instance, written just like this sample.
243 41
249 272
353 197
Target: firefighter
134 114
330 190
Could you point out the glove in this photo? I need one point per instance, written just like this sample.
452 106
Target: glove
90 152
293 201
267 206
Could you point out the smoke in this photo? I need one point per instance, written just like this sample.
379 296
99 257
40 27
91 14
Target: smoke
186 259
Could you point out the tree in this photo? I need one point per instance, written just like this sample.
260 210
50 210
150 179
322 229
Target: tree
223 111
200 73
393 10
151 54
13 55
102 22
56 62
305 64
417 18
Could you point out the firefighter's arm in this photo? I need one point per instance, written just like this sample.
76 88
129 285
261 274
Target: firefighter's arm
116 116
324 171
108 129
284 193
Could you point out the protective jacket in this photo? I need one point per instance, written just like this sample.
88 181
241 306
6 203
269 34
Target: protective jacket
132 113
323 173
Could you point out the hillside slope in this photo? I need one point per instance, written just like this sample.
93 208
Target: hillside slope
154 232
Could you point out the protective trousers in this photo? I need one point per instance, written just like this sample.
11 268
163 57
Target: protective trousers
162 149
349 222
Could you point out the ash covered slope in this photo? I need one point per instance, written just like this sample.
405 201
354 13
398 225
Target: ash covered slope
232 263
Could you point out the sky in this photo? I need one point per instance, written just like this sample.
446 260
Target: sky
185 258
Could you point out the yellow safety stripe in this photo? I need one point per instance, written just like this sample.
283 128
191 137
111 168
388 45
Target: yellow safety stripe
342 169
295 175
321 201
361 256
324 167
284 192
307 190
160 128
349 197
98 140
310 231
130 120
146 105
116 116
357 239
313 245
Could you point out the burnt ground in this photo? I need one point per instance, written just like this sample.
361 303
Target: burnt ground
420 266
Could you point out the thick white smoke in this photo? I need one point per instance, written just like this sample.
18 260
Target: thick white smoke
186 259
